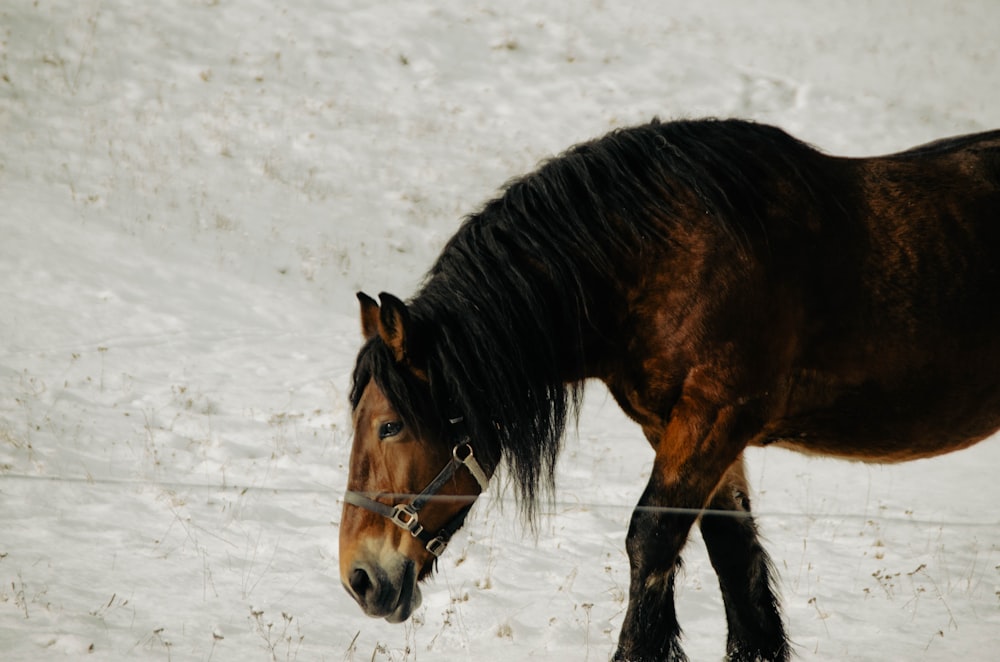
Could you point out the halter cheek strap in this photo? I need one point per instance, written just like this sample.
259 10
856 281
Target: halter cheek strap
405 515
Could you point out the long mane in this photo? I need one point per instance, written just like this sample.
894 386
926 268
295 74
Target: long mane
503 313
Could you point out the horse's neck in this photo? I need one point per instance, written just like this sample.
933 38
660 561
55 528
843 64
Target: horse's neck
577 331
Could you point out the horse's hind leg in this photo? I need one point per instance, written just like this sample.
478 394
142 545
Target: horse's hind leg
744 570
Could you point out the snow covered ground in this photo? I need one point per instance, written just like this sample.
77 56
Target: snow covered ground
190 194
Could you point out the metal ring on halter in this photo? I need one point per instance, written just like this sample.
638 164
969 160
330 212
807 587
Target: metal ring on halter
471 464
465 446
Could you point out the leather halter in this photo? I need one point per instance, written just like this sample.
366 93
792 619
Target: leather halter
405 515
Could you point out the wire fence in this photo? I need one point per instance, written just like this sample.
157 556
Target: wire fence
550 507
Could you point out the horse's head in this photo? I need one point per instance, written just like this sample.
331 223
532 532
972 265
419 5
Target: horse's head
412 475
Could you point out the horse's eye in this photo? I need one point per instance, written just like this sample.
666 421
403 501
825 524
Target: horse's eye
390 429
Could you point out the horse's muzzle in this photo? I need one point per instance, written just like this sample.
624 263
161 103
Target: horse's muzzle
385 592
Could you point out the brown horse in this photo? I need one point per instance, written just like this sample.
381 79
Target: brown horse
733 287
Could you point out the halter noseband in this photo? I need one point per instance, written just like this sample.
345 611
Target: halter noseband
405 515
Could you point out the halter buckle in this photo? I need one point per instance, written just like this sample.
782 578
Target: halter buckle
405 517
436 546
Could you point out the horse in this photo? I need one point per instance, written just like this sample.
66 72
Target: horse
732 287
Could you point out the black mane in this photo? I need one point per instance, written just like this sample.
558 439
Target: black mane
502 314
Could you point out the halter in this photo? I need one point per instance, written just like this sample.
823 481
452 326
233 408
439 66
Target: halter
405 515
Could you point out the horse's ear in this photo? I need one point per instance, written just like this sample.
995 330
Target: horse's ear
394 327
369 316
391 322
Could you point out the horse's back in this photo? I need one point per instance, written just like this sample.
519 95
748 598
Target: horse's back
929 237
985 140
906 361
932 214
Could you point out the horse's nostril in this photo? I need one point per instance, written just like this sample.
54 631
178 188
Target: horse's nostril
360 582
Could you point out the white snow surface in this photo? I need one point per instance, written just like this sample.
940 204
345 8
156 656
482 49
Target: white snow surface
191 193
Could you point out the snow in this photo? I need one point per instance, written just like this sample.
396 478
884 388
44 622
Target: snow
190 195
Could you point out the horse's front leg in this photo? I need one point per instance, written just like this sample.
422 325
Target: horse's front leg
650 630
692 456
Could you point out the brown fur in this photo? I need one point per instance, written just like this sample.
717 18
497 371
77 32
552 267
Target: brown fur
846 307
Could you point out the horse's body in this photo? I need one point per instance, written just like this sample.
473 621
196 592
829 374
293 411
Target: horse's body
732 287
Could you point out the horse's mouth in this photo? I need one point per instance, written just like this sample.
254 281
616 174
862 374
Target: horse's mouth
409 597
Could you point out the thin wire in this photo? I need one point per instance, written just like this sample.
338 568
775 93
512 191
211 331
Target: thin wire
580 506
166 484
559 507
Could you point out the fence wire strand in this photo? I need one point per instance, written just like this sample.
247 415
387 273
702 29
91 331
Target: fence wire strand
551 508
